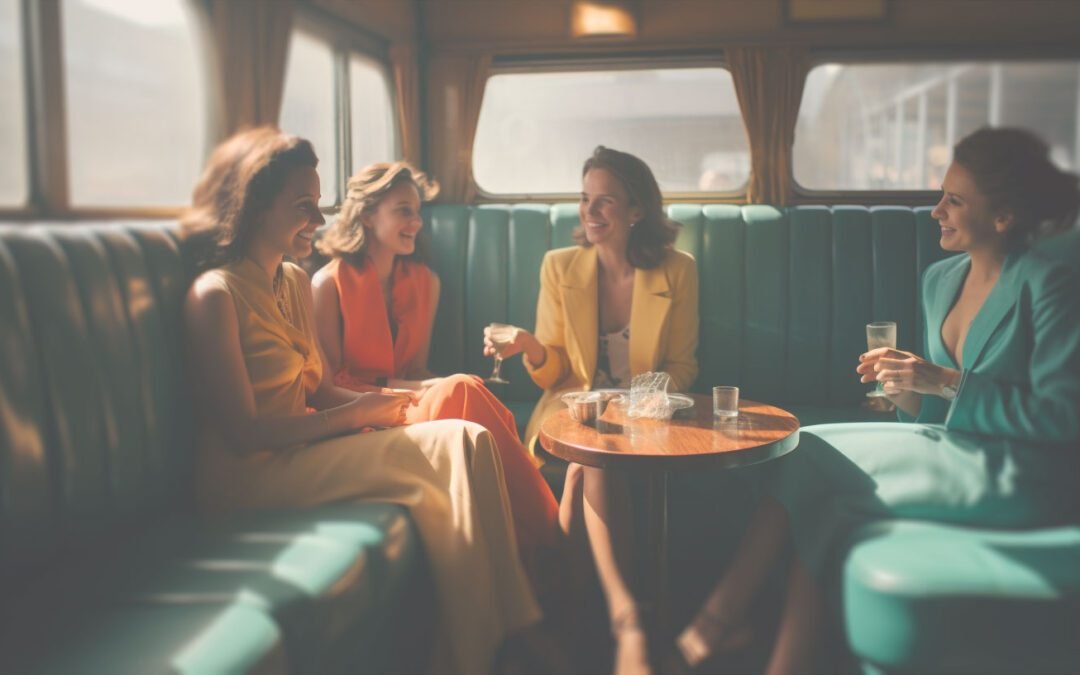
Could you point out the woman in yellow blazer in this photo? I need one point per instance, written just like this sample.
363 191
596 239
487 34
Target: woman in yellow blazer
663 326
621 303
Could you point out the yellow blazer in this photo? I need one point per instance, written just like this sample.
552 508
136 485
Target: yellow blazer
663 325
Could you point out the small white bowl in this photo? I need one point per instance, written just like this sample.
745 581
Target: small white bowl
586 406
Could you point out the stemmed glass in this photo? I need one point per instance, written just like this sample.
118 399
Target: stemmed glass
501 335
880 334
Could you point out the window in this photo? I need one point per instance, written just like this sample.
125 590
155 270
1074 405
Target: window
373 138
536 129
135 100
13 149
328 82
892 126
308 105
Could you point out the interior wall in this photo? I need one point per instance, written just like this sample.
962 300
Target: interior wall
528 25
395 20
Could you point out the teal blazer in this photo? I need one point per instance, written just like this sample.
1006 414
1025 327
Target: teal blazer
1021 357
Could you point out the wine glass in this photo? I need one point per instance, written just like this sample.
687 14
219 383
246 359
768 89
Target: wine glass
501 335
880 334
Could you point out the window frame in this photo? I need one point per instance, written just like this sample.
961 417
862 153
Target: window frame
511 64
804 195
44 96
26 47
49 194
343 42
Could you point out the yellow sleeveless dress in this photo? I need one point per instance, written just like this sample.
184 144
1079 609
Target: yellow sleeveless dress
447 473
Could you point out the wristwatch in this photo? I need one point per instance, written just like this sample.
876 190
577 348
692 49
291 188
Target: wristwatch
948 391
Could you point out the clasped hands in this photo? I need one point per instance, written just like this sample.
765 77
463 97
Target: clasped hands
901 371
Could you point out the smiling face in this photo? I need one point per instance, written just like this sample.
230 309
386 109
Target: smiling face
290 222
394 223
605 210
967 221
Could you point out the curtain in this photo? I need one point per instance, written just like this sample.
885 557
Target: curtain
769 85
405 63
249 42
456 90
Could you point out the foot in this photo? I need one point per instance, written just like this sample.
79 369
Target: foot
632 653
631 645
707 636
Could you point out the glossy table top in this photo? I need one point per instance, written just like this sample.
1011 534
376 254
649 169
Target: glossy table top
692 439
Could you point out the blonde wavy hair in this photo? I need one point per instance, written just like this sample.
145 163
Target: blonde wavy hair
347 238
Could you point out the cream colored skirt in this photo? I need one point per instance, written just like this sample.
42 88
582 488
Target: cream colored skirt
448 474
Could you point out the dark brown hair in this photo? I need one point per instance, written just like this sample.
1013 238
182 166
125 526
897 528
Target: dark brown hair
654 233
1012 170
346 237
241 179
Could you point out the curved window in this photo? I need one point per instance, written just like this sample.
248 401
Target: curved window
135 101
536 129
340 99
892 126
372 113
13 179
308 105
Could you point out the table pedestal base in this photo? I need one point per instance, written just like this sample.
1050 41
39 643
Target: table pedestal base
657 592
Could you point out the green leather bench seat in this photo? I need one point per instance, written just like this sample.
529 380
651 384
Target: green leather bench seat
182 640
921 598
104 566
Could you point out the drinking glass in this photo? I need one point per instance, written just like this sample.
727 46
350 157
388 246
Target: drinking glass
501 335
725 402
880 334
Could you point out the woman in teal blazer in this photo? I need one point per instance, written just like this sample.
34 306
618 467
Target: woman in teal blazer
992 415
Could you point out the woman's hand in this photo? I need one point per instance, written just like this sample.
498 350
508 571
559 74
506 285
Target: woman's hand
519 340
417 387
385 409
901 371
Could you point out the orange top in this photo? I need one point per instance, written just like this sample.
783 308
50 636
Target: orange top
369 347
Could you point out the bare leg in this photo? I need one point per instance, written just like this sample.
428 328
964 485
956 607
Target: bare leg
596 503
798 644
571 517
716 626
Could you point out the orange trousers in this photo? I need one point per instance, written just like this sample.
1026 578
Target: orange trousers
534 509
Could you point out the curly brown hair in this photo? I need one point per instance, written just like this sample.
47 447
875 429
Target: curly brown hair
346 237
1012 169
241 179
654 234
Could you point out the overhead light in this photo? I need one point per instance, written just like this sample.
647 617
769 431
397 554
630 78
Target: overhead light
603 18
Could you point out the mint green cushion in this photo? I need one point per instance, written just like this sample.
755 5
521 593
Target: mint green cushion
330 576
922 597
181 639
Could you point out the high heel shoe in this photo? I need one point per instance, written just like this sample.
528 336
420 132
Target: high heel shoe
705 639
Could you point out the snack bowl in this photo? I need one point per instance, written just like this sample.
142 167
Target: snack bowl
583 405
586 406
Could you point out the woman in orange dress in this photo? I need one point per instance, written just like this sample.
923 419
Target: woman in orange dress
375 306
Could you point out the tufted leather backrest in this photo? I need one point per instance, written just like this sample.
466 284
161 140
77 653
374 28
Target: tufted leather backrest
96 429
785 293
95 422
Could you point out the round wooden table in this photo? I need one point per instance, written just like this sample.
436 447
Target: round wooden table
691 440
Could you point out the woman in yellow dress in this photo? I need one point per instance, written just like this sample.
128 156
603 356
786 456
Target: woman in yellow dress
276 432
